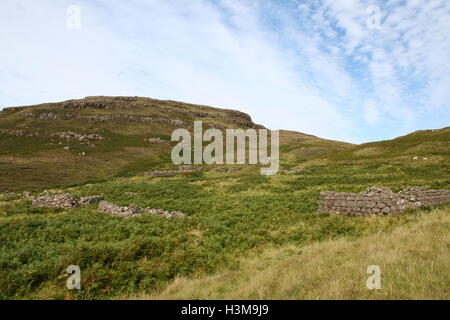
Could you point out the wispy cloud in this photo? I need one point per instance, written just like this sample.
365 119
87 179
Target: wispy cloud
311 66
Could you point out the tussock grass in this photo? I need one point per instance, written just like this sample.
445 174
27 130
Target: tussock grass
414 261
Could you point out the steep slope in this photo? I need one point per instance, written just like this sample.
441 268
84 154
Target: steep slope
95 138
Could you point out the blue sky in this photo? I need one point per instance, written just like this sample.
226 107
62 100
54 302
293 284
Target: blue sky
348 70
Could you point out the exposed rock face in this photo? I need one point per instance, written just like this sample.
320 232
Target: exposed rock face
134 210
102 117
380 200
65 201
22 133
425 197
77 136
155 140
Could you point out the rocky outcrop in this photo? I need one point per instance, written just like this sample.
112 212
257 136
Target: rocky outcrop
293 171
380 201
22 133
77 136
102 117
189 168
134 210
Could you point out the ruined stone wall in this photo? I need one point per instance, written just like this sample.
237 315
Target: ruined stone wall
134 210
426 197
65 201
70 201
380 200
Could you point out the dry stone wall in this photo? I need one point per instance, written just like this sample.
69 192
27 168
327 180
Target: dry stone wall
134 210
65 201
70 201
380 201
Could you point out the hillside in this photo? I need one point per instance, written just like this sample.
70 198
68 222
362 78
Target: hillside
110 136
424 145
290 273
231 218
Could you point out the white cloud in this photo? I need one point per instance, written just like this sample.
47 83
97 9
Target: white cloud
312 66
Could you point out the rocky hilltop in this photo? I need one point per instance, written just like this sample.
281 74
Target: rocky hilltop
96 137
133 109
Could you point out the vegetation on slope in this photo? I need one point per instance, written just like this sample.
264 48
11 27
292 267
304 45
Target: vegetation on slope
232 215
36 160
414 260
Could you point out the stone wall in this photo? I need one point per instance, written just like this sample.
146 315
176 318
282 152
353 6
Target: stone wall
65 201
134 210
70 201
380 200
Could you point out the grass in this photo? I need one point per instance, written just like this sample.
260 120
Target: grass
231 217
234 219
337 269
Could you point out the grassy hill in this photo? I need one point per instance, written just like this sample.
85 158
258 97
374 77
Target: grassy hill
33 156
337 269
233 218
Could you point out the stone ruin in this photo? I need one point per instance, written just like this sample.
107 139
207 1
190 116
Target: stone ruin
90 199
64 201
70 201
134 210
380 201
160 173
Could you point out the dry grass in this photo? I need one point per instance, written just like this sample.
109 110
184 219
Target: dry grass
414 261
